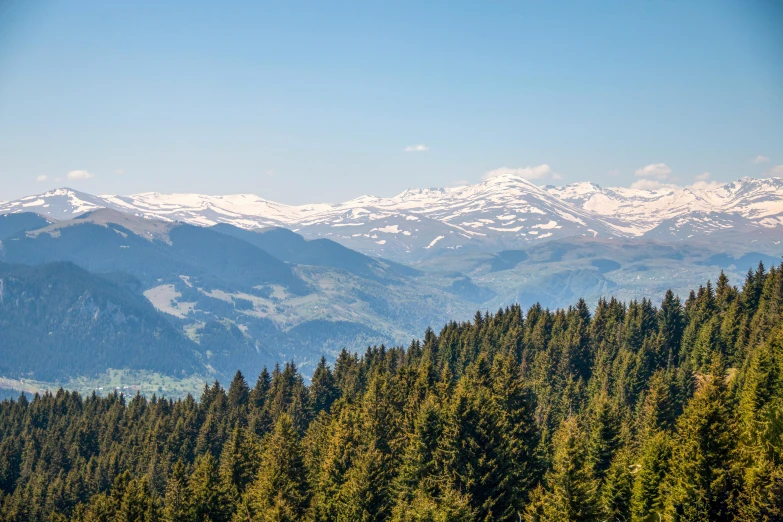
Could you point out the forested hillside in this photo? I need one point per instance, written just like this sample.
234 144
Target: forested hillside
630 412
58 320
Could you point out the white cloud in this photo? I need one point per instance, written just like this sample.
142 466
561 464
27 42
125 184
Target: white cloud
119 172
416 148
655 171
775 172
41 178
80 174
702 182
540 172
269 173
758 160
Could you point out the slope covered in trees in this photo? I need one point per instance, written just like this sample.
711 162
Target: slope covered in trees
58 320
628 412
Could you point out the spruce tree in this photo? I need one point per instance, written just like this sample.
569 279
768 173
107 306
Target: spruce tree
615 499
280 492
207 498
473 451
571 490
650 470
176 496
701 480
323 389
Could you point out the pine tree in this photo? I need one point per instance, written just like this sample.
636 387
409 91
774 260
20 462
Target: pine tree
280 493
650 472
258 395
761 496
238 462
323 389
206 497
517 423
615 499
176 496
137 504
418 468
656 410
571 489
473 452
338 458
448 506
238 392
604 435
457 427
707 343
365 494
700 483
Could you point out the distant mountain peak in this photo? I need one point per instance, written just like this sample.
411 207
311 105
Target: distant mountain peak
504 211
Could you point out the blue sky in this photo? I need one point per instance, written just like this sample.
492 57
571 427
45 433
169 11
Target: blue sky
302 102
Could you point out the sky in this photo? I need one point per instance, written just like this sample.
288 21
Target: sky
304 102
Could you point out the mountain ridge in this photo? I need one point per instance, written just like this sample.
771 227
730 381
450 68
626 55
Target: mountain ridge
500 213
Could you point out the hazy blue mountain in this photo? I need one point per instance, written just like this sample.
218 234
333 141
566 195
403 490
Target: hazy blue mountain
507 259
247 298
559 272
742 263
58 320
465 288
152 251
293 248
12 225
241 305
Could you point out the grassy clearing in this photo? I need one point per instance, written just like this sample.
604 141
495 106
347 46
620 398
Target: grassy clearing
127 382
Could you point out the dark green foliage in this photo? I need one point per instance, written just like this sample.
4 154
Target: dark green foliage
630 413
571 492
700 484
280 491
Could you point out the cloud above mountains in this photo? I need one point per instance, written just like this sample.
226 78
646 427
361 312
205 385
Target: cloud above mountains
758 160
416 148
654 176
543 171
702 182
80 175
654 171
73 175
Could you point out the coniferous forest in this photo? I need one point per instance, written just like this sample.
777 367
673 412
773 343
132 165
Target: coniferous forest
632 411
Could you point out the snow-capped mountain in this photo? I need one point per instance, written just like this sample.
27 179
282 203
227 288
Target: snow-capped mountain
500 213
760 200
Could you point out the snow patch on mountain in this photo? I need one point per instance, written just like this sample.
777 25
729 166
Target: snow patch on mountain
503 212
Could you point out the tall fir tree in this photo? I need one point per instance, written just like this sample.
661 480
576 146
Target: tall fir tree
280 492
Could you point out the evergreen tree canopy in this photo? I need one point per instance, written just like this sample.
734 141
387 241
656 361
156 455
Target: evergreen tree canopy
631 412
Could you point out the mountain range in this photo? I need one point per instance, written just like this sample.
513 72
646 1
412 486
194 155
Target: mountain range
504 212
236 298
192 286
